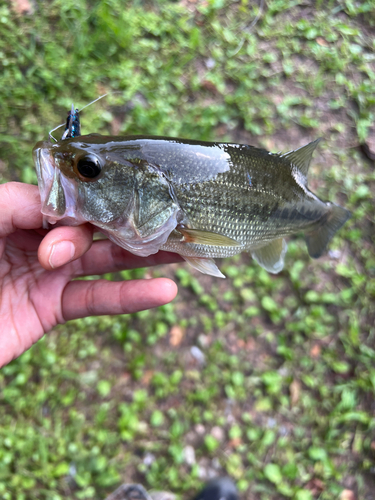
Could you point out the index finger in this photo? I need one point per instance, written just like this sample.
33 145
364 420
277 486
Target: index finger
107 257
20 208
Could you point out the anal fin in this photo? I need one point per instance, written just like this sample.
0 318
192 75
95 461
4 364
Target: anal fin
271 256
205 266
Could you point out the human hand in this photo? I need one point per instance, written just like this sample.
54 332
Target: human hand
37 268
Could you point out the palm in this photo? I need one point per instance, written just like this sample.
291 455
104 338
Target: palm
34 297
30 302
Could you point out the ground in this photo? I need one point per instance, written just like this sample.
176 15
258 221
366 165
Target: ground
269 379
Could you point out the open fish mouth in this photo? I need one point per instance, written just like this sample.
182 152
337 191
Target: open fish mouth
58 194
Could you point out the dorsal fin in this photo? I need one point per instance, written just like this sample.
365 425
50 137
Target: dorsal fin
301 157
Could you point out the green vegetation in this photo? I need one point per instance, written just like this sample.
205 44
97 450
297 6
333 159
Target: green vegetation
285 400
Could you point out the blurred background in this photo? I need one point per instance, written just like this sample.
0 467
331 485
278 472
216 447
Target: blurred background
269 379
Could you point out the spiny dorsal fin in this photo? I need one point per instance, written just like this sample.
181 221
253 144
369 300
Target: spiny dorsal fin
301 157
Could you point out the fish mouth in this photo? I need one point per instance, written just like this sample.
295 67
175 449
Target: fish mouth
58 194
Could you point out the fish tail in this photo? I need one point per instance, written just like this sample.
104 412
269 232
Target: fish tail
318 239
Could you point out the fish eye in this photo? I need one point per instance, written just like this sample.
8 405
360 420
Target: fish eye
89 167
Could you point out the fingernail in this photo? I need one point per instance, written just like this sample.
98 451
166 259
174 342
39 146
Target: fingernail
61 253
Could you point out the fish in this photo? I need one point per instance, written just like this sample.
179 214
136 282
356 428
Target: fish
201 200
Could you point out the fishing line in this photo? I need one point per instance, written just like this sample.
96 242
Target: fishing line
72 115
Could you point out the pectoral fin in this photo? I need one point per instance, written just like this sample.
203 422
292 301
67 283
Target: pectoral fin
271 256
201 237
205 266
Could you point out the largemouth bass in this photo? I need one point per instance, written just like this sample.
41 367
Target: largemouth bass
202 200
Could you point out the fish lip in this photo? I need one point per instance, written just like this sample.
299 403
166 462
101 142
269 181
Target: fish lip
48 174
45 167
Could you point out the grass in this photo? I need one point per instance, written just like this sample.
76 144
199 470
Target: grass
284 400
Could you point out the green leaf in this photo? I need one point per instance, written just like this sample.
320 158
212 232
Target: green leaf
103 388
317 453
61 469
211 443
347 30
235 432
273 473
303 495
312 296
363 126
269 304
340 366
157 418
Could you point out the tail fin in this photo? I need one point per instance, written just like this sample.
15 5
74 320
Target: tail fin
317 240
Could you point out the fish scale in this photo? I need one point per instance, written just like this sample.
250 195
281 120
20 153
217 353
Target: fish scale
200 199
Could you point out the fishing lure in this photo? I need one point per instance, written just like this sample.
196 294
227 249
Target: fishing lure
73 123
